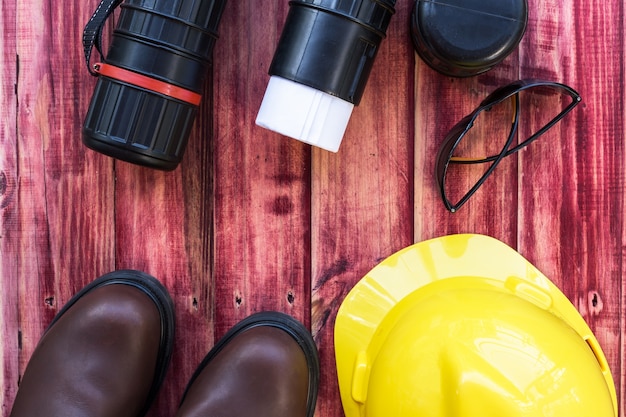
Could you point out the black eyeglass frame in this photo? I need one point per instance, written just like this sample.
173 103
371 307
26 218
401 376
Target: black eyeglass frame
456 134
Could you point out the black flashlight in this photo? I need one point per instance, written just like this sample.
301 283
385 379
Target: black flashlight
320 68
151 79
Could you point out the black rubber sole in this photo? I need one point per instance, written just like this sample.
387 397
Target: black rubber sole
161 298
281 321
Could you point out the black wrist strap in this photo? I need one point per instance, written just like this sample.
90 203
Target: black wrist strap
92 34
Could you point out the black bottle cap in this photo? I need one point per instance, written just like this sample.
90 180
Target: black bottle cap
462 38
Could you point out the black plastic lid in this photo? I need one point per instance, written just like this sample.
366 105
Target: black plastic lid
462 38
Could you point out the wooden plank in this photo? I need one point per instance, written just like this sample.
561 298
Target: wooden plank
262 181
572 180
161 229
164 226
361 198
441 102
9 208
64 214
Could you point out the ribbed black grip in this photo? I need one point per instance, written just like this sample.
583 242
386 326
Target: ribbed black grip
331 45
171 42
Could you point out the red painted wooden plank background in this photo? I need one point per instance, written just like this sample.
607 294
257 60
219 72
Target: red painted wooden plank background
252 220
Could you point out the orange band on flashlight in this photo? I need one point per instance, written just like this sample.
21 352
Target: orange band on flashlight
148 83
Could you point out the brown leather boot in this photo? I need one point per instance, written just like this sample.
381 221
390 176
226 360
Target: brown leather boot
105 353
265 366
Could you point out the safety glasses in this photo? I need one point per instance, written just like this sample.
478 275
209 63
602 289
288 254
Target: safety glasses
480 140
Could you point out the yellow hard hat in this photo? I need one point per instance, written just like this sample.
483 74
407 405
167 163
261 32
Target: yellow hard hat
464 326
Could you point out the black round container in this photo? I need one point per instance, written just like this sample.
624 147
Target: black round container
331 45
158 48
462 38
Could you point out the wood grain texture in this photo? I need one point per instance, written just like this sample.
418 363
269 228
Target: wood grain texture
9 208
362 206
63 195
164 226
262 181
252 220
441 102
572 182
155 233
